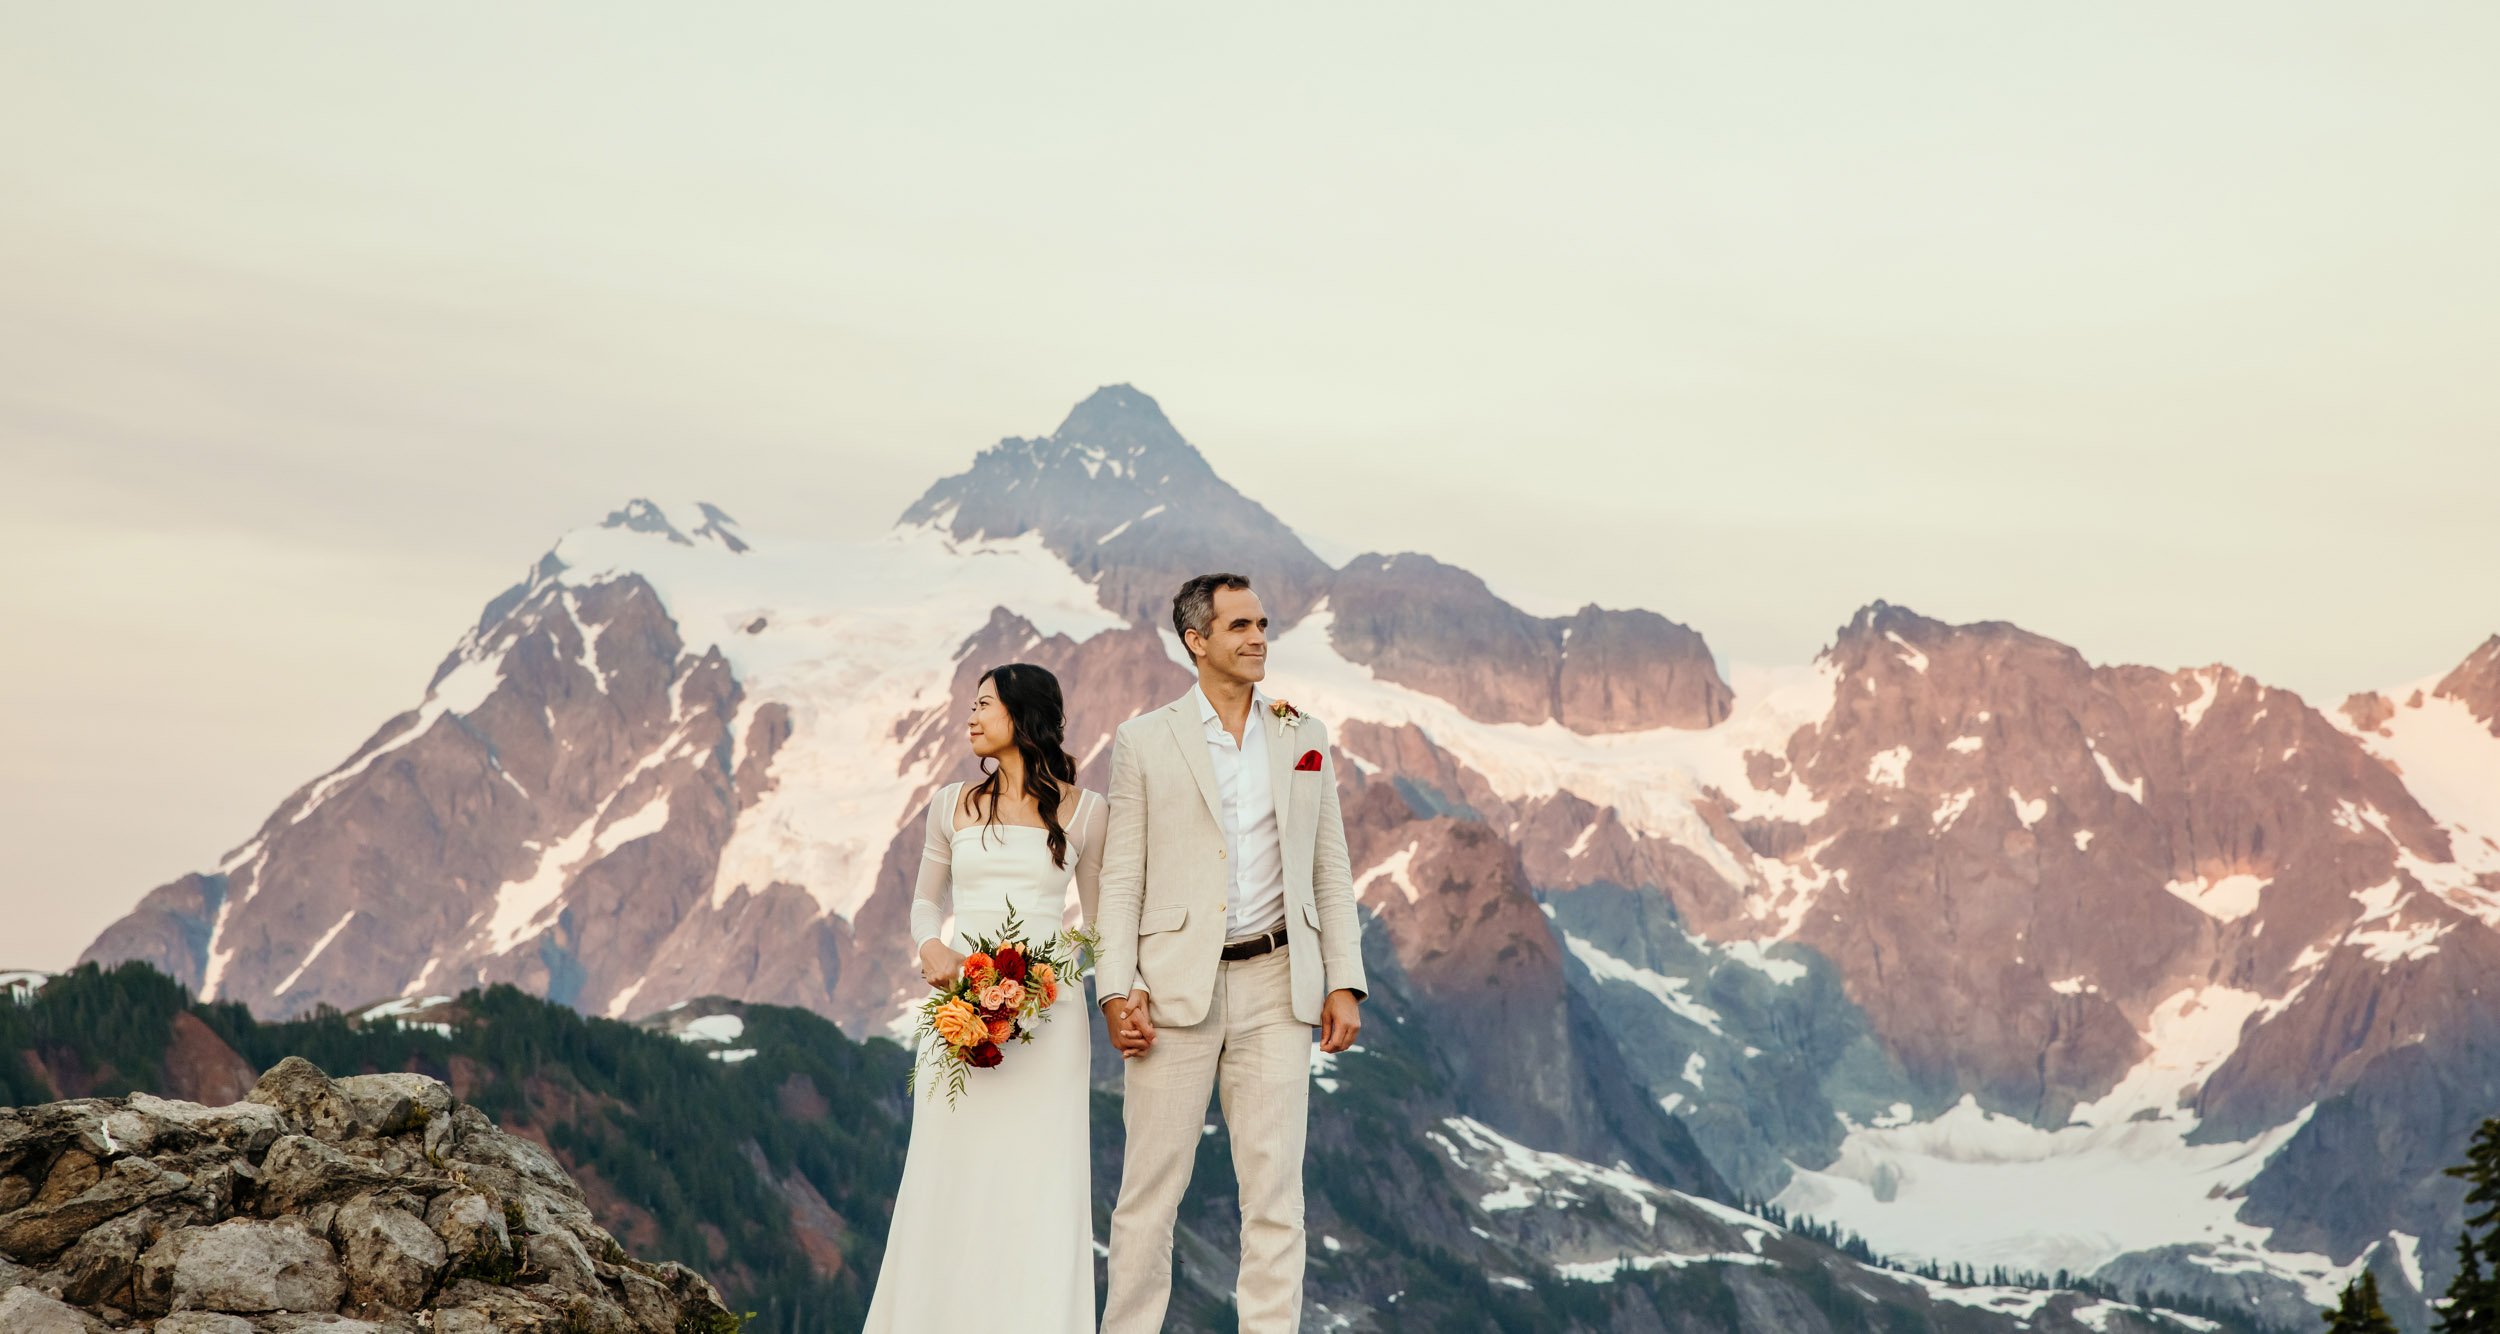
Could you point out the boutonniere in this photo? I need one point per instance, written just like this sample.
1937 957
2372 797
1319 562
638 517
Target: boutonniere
1286 716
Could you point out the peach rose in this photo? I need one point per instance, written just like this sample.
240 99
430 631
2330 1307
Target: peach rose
959 1026
1004 995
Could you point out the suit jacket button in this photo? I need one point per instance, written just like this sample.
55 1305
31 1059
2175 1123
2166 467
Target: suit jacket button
1219 854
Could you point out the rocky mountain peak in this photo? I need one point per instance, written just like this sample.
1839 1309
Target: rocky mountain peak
1439 629
1121 422
693 522
2476 684
1130 505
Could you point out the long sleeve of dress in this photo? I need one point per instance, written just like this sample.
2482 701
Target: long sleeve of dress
1093 818
935 890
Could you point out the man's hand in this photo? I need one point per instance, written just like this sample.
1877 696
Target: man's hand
1340 1021
938 964
1131 1023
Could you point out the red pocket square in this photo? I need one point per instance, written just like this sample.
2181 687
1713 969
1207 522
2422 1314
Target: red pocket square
1308 764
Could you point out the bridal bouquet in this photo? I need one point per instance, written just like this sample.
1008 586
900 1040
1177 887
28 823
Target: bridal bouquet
1006 987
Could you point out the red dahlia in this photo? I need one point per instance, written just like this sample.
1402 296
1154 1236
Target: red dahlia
983 1056
1011 963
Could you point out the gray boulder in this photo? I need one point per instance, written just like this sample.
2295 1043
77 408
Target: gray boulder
391 1256
561 1257
241 1264
98 1267
26 1311
301 1172
512 1165
37 1233
394 1104
309 1098
244 1127
471 1227
203 1322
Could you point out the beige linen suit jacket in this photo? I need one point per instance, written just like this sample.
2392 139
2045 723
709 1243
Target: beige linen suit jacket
1164 875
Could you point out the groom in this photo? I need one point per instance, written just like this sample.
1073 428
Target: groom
1228 934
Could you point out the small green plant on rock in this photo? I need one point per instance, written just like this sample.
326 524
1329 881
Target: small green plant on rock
492 1263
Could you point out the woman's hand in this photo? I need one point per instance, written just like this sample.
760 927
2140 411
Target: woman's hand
938 964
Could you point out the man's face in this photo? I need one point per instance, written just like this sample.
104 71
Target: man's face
1235 645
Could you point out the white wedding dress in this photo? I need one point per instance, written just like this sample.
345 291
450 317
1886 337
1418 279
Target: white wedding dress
995 1213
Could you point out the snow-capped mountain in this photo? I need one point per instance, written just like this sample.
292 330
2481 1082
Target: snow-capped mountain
1951 937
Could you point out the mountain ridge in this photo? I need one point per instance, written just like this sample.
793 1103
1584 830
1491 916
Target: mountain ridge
1823 917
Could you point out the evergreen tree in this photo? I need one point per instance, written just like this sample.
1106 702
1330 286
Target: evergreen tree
2473 1305
2359 1312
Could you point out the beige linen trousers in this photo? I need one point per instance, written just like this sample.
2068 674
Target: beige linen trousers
1244 1028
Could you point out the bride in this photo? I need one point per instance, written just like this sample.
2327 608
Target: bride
996 1204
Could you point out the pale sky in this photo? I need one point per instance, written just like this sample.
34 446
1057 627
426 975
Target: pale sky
2169 331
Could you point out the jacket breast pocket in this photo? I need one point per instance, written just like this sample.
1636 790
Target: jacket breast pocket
1154 921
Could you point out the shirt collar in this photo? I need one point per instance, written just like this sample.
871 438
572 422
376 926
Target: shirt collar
1206 707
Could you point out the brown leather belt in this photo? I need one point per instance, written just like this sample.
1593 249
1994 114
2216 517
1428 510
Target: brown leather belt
1253 947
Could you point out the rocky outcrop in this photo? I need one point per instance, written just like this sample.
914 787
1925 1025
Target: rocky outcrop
2476 684
1516 1047
1438 629
572 742
361 1204
1131 507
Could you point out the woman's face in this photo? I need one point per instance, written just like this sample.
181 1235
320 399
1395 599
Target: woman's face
993 732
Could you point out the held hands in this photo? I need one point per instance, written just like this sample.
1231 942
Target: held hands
1131 1023
938 964
1340 1021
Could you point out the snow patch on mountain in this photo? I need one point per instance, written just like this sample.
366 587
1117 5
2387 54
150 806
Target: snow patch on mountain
2133 789
1522 1176
1671 992
850 636
1395 868
2225 899
1755 955
522 905
1650 779
1983 1189
2447 758
2192 711
315 952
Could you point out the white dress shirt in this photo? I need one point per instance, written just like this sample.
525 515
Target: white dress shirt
1254 897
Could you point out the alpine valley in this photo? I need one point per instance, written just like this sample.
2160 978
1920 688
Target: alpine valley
1950 939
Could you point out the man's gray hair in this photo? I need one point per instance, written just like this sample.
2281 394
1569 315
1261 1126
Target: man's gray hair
1193 608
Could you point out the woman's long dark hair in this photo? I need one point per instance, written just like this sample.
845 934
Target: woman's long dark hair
1030 695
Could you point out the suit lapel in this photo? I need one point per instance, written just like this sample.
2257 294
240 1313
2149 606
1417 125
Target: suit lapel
1191 733
1281 754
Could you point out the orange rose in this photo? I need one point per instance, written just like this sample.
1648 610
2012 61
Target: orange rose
959 1026
976 964
1002 1029
1050 993
1045 974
